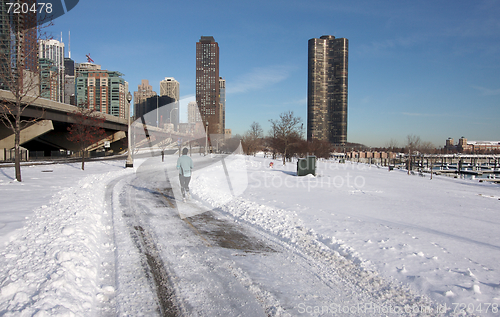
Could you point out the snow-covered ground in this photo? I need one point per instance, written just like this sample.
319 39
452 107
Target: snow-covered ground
350 236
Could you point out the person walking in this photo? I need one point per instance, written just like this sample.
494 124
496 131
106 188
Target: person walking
185 166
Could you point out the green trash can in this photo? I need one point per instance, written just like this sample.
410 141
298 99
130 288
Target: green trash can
306 166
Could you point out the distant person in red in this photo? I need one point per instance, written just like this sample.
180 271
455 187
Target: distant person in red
185 165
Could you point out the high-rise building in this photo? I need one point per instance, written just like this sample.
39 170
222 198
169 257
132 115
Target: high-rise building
53 50
50 81
144 91
18 44
170 87
207 84
193 113
100 89
159 111
222 99
69 81
327 89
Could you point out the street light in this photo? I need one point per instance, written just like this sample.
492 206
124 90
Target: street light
130 161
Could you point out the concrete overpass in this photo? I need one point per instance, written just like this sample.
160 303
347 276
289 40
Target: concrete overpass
50 133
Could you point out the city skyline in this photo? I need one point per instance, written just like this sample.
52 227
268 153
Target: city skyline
428 69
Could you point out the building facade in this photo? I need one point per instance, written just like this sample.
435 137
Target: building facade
222 100
159 111
207 84
144 91
472 147
327 89
193 113
53 50
50 81
101 90
69 81
170 87
18 45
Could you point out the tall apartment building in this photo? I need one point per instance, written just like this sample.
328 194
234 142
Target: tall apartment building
144 91
222 100
18 43
327 89
69 81
52 50
170 87
193 113
207 84
50 80
102 90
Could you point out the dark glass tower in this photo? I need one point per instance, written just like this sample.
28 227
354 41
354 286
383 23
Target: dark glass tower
327 89
207 84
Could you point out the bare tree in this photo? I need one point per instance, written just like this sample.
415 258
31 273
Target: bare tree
412 145
252 139
20 76
427 147
284 133
86 130
392 145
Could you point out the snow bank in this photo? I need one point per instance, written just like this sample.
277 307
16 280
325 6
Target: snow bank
52 267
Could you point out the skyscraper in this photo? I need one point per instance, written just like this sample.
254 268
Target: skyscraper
170 87
144 91
53 50
18 45
69 81
327 89
207 84
222 99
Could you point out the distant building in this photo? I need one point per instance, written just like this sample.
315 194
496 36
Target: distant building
102 90
22 50
465 146
222 99
144 91
169 87
69 81
207 84
327 89
53 50
80 67
49 79
193 113
166 112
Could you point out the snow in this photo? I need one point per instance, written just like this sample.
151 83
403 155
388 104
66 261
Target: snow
353 234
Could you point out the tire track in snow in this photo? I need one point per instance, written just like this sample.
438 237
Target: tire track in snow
123 205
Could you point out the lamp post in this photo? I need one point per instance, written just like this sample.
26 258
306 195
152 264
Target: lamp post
130 161
206 139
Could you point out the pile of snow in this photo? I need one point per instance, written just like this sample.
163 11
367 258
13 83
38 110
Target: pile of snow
52 266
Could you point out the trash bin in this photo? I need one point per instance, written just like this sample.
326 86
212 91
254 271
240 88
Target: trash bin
306 166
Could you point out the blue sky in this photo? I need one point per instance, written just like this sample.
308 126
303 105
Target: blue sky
428 68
